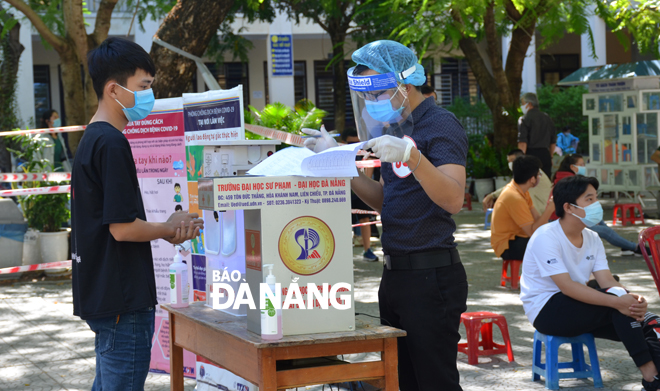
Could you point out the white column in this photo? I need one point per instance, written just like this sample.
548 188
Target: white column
280 88
598 30
529 69
144 38
25 82
529 65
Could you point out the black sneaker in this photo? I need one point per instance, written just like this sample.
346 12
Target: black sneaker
651 386
638 251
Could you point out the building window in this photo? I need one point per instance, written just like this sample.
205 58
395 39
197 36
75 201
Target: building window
455 80
325 98
230 75
299 80
42 101
558 66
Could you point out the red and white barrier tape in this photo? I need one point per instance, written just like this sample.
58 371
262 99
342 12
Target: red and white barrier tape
61 129
41 266
369 223
367 163
285 137
33 176
364 212
36 190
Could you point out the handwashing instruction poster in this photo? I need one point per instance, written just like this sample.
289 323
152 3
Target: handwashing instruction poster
158 147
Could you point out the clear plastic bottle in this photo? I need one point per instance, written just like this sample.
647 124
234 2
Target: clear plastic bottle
178 282
271 318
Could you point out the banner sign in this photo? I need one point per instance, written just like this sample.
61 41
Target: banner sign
158 147
213 116
281 54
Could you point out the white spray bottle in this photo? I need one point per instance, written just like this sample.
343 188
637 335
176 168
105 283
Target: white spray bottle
178 281
271 318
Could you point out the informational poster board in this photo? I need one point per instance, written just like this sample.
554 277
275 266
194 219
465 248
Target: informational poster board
281 54
158 147
214 116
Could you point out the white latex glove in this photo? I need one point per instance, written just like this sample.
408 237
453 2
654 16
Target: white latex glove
390 149
316 143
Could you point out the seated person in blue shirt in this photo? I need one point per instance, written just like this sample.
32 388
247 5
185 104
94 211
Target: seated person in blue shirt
566 141
559 259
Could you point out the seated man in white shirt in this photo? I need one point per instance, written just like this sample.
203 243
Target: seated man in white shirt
559 259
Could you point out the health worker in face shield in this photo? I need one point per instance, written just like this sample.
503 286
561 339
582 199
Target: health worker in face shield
423 150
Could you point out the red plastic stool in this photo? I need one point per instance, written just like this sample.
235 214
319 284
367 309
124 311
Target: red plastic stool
476 322
628 214
514 277
468 201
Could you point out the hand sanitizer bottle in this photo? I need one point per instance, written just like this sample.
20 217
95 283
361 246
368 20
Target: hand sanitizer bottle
178 282
271 318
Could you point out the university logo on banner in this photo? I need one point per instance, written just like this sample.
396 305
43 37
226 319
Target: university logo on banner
306 245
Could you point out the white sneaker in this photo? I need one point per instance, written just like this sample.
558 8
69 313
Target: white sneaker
357 241
627 252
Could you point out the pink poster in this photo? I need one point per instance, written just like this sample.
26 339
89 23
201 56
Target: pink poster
158 147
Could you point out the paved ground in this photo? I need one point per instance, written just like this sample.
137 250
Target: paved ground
44 347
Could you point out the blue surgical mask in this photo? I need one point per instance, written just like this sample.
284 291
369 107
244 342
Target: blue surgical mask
57 123
582 170
593 214
381 110
144 102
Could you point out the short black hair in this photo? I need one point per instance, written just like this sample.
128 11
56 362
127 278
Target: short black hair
178 207
177 185
566 129
427 89
360 69
348 132
526 167
569 189
516 152
117 59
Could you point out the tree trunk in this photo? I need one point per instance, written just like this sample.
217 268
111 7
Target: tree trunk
74 93
11 49
190 30
341 79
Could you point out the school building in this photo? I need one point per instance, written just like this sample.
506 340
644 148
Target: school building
40 84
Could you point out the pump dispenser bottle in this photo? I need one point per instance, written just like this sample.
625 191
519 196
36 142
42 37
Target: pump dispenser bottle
271 318
178 281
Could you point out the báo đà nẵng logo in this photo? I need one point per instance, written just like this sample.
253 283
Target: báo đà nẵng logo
306 245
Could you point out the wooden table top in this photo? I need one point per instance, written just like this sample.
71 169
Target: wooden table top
236 326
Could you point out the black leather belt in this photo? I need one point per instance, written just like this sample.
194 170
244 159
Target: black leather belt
427 260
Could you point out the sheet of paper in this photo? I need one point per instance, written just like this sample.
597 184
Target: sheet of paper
333 162
285 162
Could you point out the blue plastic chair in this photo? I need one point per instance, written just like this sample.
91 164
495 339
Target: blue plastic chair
486 222
550 369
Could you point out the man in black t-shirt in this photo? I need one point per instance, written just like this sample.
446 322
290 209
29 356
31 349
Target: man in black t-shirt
114 288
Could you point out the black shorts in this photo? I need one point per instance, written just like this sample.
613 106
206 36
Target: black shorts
516 250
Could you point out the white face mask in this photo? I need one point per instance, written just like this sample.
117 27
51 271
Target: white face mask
524 108
511 166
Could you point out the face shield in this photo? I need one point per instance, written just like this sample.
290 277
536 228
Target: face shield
380 105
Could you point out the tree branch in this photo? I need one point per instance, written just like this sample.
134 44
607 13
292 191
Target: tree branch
494 49
74 23
102 24
475 59
55 41
511 11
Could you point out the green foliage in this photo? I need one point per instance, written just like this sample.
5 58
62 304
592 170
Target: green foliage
475 116
281 117
47 212
564 106
483 160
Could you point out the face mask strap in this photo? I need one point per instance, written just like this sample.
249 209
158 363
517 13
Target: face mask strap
116 100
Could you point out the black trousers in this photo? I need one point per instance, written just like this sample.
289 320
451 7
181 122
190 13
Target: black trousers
546 159
516 250
566 317
427 304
